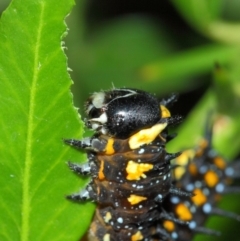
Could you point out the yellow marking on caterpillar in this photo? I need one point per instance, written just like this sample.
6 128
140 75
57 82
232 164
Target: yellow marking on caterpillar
211 178
136 170
182 161
137 236
199 199
107 217
183 212
146 136
109 150
165 111
219 162
192 168
134 199
169 225
101 175
106 237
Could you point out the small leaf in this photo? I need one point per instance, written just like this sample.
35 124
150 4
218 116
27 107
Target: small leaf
36 113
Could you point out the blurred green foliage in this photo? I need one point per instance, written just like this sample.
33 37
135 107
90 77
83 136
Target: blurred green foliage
187 46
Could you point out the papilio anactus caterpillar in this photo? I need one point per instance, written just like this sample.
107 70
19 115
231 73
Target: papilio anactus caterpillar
208 176
132 180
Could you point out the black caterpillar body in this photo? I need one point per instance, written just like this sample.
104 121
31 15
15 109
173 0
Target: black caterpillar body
140 196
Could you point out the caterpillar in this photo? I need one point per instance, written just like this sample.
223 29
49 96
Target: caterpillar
208 176
139 194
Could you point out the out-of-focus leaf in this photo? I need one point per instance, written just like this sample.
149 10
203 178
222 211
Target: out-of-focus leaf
227 91
187 63
205 17
199 13
193 126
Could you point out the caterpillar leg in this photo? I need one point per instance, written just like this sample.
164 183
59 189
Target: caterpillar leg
82 196
81 169
93 144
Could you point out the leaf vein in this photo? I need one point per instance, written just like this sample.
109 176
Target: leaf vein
26 205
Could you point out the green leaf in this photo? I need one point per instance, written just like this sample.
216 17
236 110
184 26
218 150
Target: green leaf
36 113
